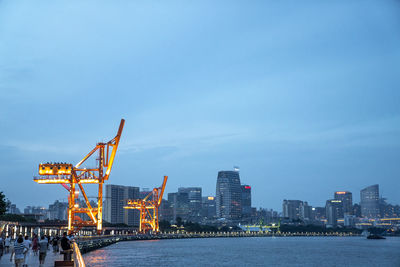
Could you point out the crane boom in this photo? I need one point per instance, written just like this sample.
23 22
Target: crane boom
70 176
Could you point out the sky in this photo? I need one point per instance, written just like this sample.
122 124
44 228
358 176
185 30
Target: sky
303 96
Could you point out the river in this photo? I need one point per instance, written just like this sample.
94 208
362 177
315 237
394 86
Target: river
251 251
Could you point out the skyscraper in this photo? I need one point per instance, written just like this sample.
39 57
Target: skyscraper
347 200
179 205
116 197
194 197
229 195
370 201
246 200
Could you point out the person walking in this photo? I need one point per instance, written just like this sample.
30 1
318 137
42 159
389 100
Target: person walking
35 245
7 244
1 247
28 245
18 252
43 246
54 243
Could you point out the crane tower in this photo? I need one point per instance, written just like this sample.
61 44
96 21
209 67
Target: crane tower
73 177
148 208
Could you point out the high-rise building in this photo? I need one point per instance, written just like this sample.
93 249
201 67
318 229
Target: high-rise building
266 216
246 200
209 207
12 208
194 197
116 197
144 192
35 210
165 211
58 211
357 210
319 214
370 201
305 211
347 200
333 210
291 209
229 195
179 204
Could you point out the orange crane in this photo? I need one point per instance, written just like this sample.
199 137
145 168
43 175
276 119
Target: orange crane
148 208
71 177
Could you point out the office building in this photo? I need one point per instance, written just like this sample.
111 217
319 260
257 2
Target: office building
165 211
194 198
305 211
370 201
209 207
12 209
144 193
58 211
333 210
115 200
357 210
350 220
246 200
347 200
35 210
179 205
229 195
291 209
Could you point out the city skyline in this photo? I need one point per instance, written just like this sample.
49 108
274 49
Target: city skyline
305 106
347 201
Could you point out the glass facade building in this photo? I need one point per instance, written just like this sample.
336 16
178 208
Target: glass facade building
116 197
333 209
370 201
179 205
246 200
228 195
347 200
194 198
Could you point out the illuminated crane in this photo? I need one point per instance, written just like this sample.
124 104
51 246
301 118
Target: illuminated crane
148 208
71 177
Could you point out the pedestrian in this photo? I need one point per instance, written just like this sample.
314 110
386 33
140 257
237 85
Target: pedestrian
66 247
1 247
54 243
28 245
18 252
35 242
43 245
7 244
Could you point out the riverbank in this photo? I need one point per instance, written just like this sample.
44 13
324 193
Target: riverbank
253 251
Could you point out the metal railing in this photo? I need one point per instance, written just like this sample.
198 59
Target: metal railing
78 259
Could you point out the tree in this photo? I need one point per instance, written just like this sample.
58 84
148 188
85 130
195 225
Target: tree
179 221
3 204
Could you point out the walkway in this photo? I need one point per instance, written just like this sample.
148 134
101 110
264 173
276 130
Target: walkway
33 260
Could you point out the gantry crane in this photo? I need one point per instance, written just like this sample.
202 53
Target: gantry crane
148 208
71 177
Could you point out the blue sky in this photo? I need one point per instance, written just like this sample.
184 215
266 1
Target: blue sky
304 97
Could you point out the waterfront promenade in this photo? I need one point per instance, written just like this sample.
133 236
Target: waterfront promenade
33 260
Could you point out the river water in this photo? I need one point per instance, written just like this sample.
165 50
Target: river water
252 251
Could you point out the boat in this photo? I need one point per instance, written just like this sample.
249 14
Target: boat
372 236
